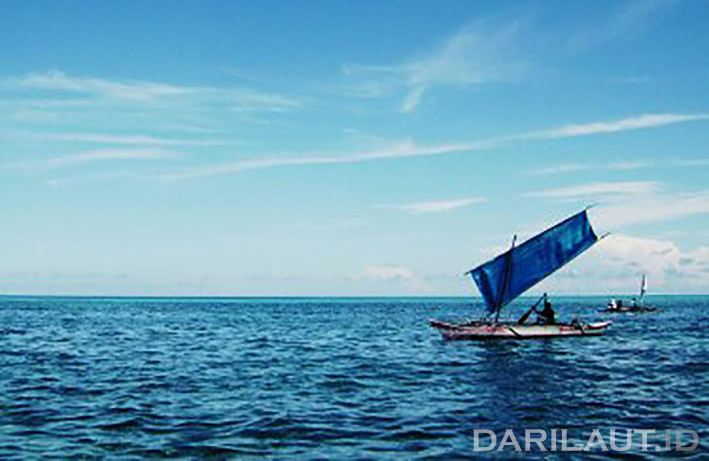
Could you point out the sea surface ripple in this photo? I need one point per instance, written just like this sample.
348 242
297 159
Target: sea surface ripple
329 378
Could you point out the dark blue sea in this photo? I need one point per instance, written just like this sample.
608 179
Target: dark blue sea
330 378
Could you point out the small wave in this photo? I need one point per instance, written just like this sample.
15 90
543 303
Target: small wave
416 434
130 424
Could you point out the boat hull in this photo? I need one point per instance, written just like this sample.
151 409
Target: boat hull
483 331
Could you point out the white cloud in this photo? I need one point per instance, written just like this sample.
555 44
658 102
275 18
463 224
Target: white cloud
396 150
59 81
474 55
629 165
641 255
483 52
696 262
560 169
412 99
436 206
109 154
631 203
405 149
626 165
628 20
599 189
142 92
652 208
615 265
142 140
391 278
615 126
386 273
55 182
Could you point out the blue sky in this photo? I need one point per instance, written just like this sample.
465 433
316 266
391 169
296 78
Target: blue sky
348 148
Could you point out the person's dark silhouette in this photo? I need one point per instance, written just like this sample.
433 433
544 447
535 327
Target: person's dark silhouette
547 315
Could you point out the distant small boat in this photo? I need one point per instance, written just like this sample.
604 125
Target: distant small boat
635 306
504 278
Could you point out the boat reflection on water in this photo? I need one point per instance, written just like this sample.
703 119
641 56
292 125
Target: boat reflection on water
537 384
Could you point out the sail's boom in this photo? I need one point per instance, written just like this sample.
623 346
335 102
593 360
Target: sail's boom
510 274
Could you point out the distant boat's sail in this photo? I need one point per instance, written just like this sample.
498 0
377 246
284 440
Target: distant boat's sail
512 273
643 289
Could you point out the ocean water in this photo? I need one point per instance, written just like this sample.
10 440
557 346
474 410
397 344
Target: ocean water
329 378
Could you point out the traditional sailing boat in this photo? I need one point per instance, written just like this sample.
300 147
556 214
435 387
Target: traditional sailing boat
638 305
504 278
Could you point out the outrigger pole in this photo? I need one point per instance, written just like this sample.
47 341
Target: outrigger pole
505 282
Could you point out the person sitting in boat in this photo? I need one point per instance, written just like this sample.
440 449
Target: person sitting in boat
633 303
546 316
612 305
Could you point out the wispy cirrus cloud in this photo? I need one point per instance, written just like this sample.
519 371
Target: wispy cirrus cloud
436 206
484 52
616 126
408 149
627 165
560 169
627 21
473 56
476 54
632 202
91 156
108 154
575 167
394 150
403 149
120 139
59 81
142 92
598 189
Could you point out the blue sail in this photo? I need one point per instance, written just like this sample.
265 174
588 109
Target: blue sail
504 278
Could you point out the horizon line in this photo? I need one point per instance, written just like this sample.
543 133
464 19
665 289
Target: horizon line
473 298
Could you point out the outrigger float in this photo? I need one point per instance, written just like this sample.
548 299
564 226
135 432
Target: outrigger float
506 277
